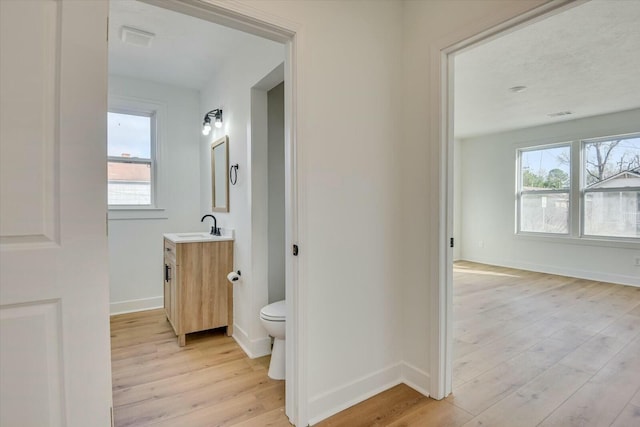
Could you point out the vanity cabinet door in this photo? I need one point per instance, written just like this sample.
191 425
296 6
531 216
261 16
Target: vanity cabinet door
170 306
167 289
170 276
173 295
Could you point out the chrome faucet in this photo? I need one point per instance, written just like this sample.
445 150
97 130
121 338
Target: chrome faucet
215 231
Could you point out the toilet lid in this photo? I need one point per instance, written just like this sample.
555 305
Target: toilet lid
275 311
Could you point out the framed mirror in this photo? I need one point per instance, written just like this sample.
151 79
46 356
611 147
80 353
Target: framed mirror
219 180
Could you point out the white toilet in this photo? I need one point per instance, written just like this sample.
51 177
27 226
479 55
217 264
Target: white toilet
273 317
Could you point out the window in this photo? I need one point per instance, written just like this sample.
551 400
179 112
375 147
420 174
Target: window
611 187
604 202
544 189
131 166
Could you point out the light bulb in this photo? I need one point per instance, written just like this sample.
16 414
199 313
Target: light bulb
218 123
206 129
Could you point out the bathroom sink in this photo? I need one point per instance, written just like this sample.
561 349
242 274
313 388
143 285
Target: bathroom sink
194 235
199 236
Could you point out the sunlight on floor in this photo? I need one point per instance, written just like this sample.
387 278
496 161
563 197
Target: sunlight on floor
462 269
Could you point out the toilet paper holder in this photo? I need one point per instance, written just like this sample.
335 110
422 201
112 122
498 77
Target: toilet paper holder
234 276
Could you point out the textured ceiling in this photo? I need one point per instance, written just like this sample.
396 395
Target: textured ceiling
585 60
186 51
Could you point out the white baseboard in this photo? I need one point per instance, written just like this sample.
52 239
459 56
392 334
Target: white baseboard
341 398
416 378
134 305
560 271
253 348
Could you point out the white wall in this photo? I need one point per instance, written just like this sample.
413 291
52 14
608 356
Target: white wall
276 231
488 204
230 89
135 245
348 127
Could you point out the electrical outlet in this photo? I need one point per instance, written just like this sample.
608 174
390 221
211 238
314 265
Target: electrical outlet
637 261
481 244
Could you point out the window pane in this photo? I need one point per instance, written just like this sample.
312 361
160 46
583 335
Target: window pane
547 213
613 163
546 168
615 213
129 183
128 136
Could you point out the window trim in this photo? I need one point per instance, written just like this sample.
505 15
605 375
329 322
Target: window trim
520 192
158 112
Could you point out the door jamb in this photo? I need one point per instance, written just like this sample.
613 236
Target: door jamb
441 100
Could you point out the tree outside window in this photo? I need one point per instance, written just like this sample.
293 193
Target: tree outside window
543 193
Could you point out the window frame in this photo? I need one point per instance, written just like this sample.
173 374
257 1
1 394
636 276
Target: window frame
520 192
157 109
583 190
152 157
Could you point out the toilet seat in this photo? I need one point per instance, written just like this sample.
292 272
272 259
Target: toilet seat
275 312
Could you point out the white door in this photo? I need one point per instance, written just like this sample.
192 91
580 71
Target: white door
54 322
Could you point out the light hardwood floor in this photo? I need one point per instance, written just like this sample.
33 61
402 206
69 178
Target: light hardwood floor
210 382
530 349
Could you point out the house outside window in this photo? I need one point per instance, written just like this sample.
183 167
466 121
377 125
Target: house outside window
611 187
544 189
131 162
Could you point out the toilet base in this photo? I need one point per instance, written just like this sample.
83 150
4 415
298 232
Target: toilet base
277 364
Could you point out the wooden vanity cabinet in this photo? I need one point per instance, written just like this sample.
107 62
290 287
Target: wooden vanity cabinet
197 294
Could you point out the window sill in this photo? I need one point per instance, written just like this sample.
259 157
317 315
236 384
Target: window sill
128 213
581 241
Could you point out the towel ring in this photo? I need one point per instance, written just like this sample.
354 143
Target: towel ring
233 174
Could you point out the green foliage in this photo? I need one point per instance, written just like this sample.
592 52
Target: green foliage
556 178
530 179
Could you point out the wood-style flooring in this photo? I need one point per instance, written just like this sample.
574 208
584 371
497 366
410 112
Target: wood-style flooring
210 382
530 349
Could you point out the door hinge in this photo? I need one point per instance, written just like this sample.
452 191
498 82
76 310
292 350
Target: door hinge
295 250
451 242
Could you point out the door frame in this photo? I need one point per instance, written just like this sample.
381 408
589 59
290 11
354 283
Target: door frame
441 99
254 21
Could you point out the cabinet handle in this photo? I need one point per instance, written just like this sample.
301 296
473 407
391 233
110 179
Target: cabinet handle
167 273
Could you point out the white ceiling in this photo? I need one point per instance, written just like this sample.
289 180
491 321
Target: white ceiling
185 51
585 60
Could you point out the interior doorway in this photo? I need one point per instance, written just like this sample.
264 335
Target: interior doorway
465 137
231 17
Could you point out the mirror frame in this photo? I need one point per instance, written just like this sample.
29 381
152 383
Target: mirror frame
214 144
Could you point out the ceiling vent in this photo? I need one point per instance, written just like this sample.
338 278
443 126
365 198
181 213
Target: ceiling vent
560 114
136 37
517 89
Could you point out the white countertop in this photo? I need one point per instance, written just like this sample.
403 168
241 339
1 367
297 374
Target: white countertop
199 236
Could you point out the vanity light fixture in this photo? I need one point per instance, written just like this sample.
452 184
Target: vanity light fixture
217 120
